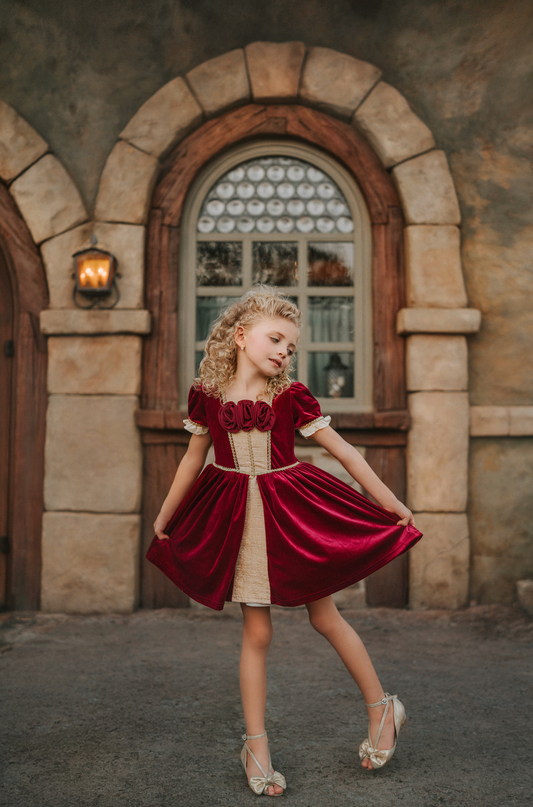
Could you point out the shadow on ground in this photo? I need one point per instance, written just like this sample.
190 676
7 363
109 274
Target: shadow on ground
144 711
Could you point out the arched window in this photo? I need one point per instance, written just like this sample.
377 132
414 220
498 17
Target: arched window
288 215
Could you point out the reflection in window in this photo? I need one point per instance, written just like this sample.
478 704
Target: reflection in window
275 262
219 263
331 374
330 263
207 310
331 319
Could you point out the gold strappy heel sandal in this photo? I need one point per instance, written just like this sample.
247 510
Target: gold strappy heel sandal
259 784
377 756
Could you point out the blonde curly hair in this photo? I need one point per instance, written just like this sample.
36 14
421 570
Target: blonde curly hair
219 364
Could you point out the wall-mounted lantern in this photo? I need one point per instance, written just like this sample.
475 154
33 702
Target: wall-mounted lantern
335 376
95 273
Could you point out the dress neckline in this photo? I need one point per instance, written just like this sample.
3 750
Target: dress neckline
268 403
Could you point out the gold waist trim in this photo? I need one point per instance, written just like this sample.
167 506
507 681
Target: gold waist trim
257 473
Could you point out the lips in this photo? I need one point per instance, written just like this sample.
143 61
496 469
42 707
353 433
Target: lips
276 362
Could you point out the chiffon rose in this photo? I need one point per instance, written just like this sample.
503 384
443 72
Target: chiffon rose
246 415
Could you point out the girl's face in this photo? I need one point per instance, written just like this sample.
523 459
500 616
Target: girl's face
268 344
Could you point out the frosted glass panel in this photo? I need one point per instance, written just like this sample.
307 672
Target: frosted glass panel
275 262
330 263
207 310
219 263
275 194
331 375
331 319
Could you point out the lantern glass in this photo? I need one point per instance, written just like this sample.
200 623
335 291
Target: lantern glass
94 271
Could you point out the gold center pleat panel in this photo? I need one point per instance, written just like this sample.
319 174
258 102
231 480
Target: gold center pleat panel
251 583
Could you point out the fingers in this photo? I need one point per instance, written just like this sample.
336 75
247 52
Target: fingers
162 536
403 523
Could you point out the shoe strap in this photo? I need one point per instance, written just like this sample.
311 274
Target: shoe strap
385 701
253 736
256 737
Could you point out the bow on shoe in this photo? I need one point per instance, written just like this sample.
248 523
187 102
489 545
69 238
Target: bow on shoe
260 783
377 756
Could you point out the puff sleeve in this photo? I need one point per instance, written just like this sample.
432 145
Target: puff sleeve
307 416
196 423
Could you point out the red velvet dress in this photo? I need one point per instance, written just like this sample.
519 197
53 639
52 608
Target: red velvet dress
321 534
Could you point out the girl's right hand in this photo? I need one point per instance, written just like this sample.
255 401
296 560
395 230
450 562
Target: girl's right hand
159 526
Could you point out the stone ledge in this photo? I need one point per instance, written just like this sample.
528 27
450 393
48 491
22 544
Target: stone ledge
63 321
501 421
438 320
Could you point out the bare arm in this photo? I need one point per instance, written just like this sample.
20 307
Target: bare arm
360 470
187 473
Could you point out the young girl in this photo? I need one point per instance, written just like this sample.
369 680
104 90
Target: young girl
259 528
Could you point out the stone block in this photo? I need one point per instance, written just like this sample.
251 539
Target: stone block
48 199
164 119
125 241
433 266
436 363
393 130
20 145
524 592
126 185
426 190
94 365
439 562
521 421
93 456
90 563
489 421
220 83
274 69
94 322
336 82
437 451
438 320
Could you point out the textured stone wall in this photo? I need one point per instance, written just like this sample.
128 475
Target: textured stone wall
78 73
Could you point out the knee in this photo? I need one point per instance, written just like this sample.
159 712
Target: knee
320 622
259 636
325 621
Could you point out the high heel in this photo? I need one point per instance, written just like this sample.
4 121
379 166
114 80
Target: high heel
378 756
259 784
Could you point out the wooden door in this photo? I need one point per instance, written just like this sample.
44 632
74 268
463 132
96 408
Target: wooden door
6 391
383 431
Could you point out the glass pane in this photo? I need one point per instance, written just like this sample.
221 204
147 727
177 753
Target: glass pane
331 319
219 263
275 262
330 264
331 375
207 310
275 194
198 358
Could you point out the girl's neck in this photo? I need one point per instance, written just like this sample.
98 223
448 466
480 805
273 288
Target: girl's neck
239 389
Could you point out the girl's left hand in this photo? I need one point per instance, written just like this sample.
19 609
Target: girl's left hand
406 517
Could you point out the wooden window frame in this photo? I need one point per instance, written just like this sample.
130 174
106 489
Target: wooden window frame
360 292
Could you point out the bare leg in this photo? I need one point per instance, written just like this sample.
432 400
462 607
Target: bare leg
256 638
325 619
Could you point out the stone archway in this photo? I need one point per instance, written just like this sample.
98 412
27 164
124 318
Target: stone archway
436 318
48 203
